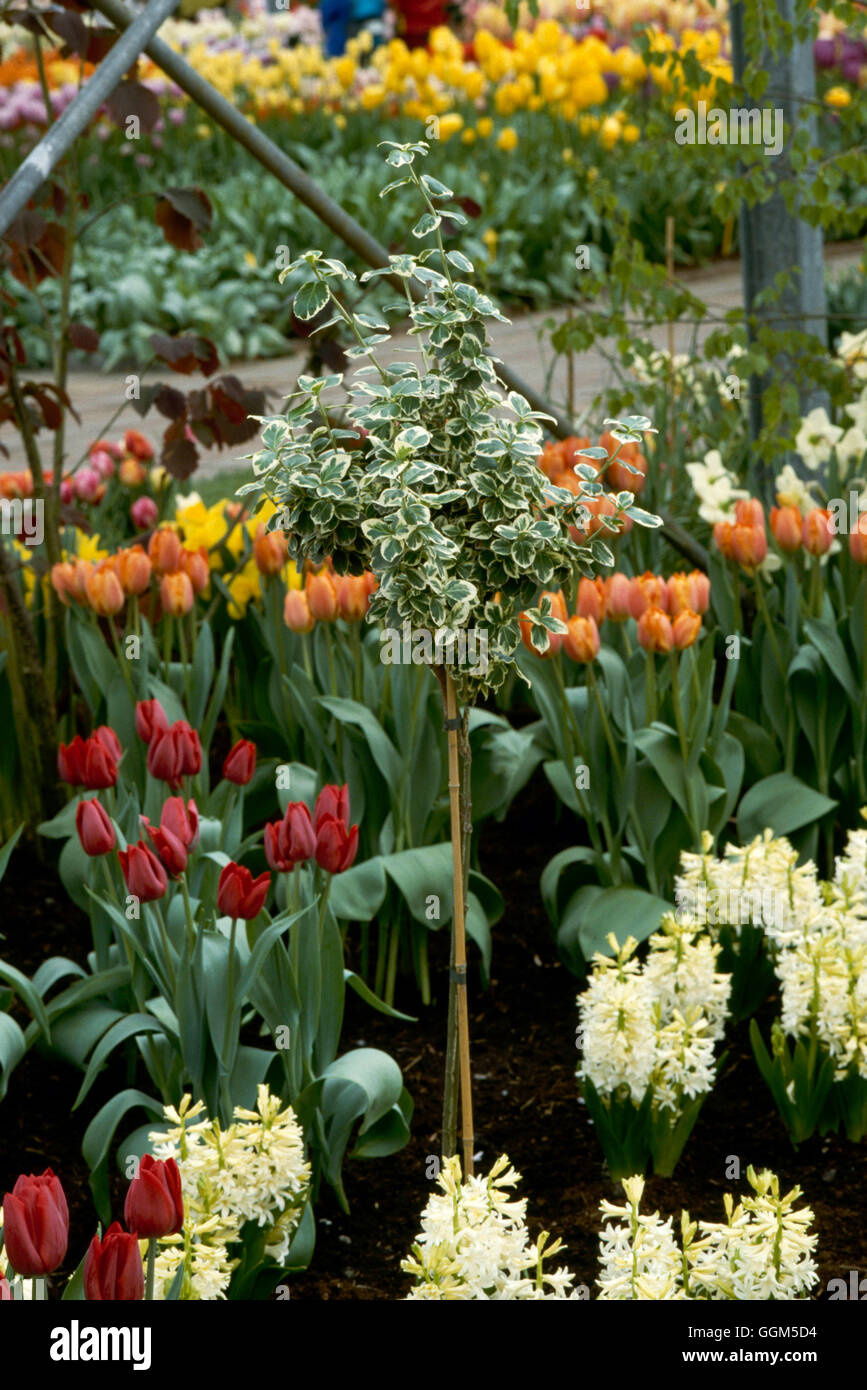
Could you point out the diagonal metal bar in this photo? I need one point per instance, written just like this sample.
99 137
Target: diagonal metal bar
54 144
293 177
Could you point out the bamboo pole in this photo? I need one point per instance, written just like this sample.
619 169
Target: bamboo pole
459 940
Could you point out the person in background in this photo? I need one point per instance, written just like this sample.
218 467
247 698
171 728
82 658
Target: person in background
367 17
416 18
336 16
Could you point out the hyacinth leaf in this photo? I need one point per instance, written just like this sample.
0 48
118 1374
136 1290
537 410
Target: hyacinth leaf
782 803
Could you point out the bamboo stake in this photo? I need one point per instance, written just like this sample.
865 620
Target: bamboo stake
459 939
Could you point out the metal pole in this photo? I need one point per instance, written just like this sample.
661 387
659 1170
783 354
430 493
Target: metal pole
57 140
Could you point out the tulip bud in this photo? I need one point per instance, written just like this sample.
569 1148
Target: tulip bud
290 841
35 1225
149 718
722 538
195 564
270 550
113 1270
95 830
239 894
858 540
786 528
143 873
591 599
133 569
654 631
62 581
99 768
296 612
647 591
176 594
322 597
136 444
240 763
171 851
749 545
144 513
85 484
109 740
104 592
617 597
131 473
749 512
336 846
154 1205
818 531
581 642
164 549
685 627
352 597
70 761
181 820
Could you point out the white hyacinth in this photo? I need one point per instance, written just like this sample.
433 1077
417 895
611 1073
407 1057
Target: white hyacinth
253 1171
474 1243
762 1252
654 1025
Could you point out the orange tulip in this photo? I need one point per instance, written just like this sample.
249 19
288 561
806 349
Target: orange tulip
63 581
654 631
176 593
133 568
270 550
591 599
164 549
296 612
647 591
581 642
352 597
685 627
194 563
722 539
617 596
322 597
818 531
131 473
786 528
104 593
749 545
857 540
688 592
749 512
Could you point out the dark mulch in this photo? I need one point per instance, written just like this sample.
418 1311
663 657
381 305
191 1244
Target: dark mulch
523 1032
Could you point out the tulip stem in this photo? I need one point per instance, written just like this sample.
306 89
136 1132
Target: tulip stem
151 1270
188 910
122 661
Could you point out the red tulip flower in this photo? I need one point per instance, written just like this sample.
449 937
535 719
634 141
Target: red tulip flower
100 765
35 1225
290 841
143 873
149 718
239 894
332 801
154 1203
110 741
70 761
180 820
336 847
172 852
5 1291
113 1269
240 763
95 830
174 753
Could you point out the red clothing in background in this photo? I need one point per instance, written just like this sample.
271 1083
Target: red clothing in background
418 17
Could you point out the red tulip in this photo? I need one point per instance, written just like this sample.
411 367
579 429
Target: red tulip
336 847
110 741
240 763
95 830
150 718
113 1269
70 761
143 873
35 1224
172 851
100 765
174 753
332 801
239 894
5 1291
180 820
290 841
154 1203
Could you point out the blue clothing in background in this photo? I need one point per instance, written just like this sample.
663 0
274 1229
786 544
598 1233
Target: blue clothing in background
336 16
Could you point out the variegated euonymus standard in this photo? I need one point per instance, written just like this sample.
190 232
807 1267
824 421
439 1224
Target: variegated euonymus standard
444 502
